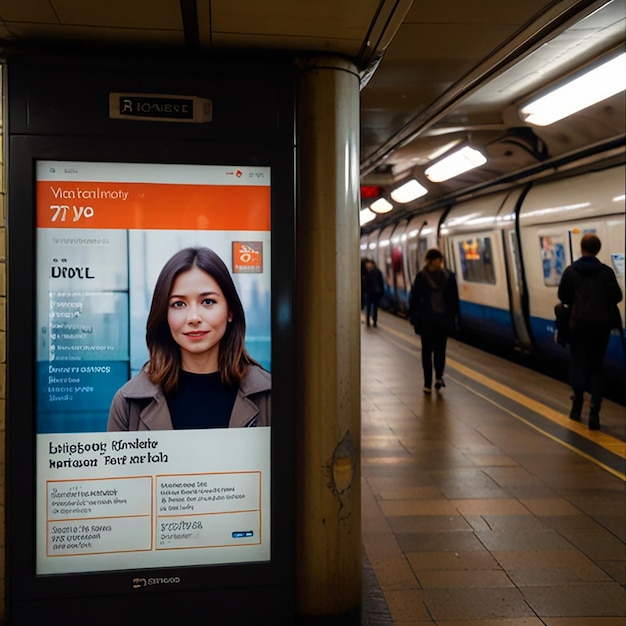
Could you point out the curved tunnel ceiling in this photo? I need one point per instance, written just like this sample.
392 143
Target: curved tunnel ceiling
435 73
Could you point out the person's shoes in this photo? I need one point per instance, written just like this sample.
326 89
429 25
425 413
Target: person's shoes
577 407
594 423
427 389
439 384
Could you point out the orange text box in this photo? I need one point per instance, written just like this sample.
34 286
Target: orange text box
152 206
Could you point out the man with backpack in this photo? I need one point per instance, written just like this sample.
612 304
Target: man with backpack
590 288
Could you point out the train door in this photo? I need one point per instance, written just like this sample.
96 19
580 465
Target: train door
429 233
399 280
604 229
414 255
422 234
472 235
382 258
507 217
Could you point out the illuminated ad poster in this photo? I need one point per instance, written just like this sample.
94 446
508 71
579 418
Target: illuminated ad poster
153 366
552 258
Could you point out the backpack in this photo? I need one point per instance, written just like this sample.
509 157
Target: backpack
590 307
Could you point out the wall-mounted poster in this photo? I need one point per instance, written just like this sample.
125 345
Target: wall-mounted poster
552 258
153 366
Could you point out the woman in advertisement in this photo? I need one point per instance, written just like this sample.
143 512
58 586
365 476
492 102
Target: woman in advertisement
199 373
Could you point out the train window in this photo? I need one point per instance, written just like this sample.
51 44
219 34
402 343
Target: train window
477 260
552 258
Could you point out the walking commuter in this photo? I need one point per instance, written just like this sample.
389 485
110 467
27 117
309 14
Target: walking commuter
434 313
590 289
373 289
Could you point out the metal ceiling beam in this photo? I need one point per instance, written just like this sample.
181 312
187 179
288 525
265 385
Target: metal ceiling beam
555 17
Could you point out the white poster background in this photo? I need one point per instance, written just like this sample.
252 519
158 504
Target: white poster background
111 501
159 499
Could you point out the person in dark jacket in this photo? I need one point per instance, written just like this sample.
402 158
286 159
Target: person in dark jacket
591 289
373 289
434 312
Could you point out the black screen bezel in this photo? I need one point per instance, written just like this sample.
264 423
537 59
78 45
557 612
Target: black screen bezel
24 152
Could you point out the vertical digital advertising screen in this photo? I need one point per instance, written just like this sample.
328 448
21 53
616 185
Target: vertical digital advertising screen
118 484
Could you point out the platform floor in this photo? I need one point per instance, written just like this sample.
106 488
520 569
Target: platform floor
485 505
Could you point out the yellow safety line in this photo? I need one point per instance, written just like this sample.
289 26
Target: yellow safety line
612 444
619 475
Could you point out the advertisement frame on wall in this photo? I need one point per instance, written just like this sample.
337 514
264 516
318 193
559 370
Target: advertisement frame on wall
151 491
54 461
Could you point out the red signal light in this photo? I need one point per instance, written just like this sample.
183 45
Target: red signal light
371 191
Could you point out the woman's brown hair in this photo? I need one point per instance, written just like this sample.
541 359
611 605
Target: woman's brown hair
164 352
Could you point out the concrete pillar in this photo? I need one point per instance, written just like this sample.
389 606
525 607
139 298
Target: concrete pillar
3 344
328 499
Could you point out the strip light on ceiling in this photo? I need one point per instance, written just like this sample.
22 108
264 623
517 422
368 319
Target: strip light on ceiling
366 216
381 206
596 85
411 190
454 164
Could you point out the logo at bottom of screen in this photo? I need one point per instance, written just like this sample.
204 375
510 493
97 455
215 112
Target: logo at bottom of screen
238 534
140 583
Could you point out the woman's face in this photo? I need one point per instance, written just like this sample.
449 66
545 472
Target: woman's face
197 316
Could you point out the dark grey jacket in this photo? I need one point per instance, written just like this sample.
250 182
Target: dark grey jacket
592 289
421 313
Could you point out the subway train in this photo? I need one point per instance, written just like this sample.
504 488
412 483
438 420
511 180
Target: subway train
508 250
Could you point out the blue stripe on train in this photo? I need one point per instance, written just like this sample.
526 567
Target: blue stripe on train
543 334
491 322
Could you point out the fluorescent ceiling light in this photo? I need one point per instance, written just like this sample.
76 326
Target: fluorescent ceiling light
411 190
381 206
458 162
366 216
596 85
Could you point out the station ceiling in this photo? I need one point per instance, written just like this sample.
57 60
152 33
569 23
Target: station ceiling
435 74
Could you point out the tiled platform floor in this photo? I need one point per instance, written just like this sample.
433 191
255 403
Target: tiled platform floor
471 515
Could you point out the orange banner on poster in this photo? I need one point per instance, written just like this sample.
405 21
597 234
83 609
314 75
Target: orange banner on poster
152 206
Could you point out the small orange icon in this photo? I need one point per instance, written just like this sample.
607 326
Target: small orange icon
247 257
